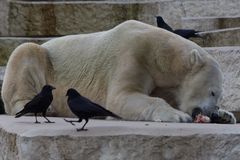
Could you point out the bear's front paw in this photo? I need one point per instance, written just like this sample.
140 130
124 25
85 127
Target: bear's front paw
223 116
171 115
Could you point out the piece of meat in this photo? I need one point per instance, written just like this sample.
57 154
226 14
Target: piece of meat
201 119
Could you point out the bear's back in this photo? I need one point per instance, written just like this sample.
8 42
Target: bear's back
121 33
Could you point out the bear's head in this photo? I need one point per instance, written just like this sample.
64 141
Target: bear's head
202 87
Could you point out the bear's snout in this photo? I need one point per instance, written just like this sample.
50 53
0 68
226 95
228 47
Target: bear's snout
207 111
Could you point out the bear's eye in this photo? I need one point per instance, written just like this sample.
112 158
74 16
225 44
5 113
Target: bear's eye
212 93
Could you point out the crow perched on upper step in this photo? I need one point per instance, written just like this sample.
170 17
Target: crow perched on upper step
84 108
186 33
39 104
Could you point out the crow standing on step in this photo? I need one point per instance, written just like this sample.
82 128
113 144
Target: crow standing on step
39 104
83 108
186 33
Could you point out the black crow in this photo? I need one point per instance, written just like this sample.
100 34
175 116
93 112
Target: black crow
162 24
39 104
186 33
84 108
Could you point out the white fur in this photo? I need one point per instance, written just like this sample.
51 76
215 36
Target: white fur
136 70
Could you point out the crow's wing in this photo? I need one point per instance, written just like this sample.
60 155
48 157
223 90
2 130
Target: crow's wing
31 106
97 107
94 106
85 106
36 101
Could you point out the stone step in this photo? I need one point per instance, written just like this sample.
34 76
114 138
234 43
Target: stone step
8 44
108 140
210 23
218 38
72 17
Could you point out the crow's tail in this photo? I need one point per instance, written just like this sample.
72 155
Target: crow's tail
115 116
19 114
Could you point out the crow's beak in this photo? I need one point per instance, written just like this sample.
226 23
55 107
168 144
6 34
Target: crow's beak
53 88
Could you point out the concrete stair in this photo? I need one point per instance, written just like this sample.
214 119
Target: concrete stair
53 18
110 140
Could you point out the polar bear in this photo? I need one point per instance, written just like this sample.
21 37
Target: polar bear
136 70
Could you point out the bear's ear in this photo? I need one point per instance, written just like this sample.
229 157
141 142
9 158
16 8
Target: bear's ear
195 58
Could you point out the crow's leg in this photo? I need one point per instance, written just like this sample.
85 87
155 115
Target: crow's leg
82 129
71 121
36 118
44 115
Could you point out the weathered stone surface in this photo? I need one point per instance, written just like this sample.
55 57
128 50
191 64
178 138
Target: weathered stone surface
229 60
210 23
8 44
57 18
218 38
3 17
71 17
110 140
208 8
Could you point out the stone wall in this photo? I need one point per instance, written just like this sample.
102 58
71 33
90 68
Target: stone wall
3 17
47 18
